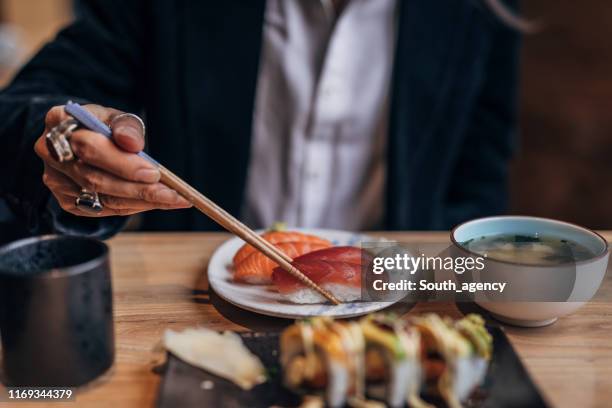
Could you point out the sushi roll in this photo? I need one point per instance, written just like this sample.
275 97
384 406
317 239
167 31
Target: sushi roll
392 356
472 328
336 269
454 355
324 356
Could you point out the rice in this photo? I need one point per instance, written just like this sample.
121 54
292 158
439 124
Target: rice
343 293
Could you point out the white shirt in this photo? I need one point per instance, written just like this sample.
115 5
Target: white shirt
321 112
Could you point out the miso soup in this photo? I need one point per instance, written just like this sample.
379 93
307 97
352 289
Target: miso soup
529 249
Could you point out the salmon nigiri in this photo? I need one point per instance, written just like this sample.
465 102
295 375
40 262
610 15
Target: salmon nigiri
279 237
257 268
336 269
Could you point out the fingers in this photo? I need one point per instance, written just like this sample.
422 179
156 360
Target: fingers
66 190
127 183
67 203
63 189
115 156
128 133
101 152
118 203
58 183
112 206
57 114
102 112
94 179
54 116
96 150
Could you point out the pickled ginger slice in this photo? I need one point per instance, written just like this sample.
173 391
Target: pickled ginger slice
222 354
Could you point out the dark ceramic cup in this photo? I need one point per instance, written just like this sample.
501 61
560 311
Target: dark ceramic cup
56 317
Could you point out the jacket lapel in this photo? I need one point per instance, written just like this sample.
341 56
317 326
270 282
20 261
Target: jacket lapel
429 42
222 41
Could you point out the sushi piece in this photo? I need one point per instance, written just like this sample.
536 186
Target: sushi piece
455 355
348 254
280 237
324 356
336 269
392 360
257 268
472 327
386 358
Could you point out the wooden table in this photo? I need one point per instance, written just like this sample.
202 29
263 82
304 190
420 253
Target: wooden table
160 282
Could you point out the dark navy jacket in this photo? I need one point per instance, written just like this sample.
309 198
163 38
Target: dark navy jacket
191 66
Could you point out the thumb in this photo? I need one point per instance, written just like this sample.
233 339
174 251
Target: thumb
128 132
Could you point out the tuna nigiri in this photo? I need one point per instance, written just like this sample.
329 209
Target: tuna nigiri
336 269
256 268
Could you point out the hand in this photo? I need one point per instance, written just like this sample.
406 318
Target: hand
127 183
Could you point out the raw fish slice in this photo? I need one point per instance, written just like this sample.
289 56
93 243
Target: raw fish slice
341 278
257 268
279 237
346 254
320 272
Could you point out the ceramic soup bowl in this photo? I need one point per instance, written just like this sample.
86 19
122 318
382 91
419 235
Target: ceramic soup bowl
535 295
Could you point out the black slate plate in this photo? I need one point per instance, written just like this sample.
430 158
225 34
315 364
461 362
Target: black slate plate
507 384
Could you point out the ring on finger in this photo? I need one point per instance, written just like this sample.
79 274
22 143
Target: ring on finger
129 115
58 140
88 201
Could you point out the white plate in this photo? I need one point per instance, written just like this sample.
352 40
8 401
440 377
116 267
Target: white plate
263 299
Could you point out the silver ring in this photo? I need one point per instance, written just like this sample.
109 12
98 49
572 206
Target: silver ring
88 201
129 115
58 140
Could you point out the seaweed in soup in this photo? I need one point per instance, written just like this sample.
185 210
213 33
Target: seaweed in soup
527 238
529 249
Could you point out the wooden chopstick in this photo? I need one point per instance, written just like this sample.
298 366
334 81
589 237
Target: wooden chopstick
229 222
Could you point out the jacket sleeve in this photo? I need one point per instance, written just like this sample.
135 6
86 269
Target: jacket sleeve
479 182
96 59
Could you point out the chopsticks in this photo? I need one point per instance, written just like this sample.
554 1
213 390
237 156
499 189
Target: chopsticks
206 205
230 223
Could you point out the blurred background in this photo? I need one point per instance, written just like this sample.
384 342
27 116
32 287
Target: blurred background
564 164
